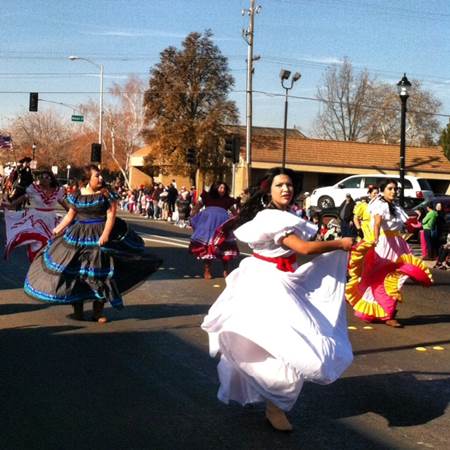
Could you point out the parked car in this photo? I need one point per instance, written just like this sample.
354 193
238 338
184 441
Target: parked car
356 186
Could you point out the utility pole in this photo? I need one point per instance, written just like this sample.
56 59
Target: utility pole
248 35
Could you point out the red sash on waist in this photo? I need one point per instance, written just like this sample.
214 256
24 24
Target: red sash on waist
284 263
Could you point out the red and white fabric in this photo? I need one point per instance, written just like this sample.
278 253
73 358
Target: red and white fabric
32 226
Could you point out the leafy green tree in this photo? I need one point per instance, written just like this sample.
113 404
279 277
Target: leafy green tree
186 106
444 141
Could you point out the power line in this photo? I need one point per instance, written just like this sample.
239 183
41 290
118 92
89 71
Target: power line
268 59
298 97
105 57
76 74
378 10
266 93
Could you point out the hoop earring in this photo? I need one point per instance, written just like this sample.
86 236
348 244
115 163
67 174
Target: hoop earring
265 202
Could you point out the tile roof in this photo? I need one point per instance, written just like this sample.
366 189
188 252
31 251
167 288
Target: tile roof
317 152
266 131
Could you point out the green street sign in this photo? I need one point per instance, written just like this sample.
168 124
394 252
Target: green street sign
76 118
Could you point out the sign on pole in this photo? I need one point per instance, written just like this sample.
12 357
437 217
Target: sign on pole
77 118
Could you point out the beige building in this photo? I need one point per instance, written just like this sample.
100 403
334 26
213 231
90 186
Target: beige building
139 177
323 162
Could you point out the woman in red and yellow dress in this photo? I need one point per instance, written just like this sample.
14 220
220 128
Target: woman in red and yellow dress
379 267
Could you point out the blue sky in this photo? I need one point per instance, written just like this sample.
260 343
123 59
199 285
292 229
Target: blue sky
386 37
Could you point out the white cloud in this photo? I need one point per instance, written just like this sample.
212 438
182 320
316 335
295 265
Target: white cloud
324 60
151 33
132 34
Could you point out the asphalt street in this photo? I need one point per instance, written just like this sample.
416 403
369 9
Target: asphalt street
145 379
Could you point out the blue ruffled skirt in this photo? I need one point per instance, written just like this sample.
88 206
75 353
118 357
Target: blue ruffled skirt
73 267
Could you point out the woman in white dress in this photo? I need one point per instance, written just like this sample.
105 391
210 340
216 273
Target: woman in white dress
278 324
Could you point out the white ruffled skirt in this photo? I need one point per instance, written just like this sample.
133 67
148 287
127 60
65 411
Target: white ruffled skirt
274 330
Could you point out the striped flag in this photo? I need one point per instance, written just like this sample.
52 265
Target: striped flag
5 142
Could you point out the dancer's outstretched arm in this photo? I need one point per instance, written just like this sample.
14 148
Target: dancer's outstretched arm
65 222
316 247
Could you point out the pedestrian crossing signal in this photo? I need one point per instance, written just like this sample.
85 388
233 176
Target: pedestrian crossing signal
191 156
34 98
96 153
232 148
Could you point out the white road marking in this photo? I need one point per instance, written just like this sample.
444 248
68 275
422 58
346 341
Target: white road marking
168 238
183 243
165 242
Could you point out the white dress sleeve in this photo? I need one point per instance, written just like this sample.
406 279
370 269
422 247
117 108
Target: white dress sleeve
380 208
306 230
271 225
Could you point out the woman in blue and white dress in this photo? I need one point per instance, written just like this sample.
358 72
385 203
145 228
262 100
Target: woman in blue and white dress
93 255
278 324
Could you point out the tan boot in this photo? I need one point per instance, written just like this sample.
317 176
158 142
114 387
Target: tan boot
207 274
393 323
277 417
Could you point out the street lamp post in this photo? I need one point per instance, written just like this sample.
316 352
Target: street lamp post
285 75
100 66
68 167
402 86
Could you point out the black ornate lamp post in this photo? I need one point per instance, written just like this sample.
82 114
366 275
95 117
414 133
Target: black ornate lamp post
402 86
285 75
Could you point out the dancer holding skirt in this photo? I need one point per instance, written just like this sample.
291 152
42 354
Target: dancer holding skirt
93 255
379 266
277 323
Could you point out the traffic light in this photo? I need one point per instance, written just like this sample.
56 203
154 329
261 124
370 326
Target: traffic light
34 98
96 153
191 156
232 148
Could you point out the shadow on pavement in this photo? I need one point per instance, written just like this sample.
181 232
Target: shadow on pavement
16 308
64 387
148 312
426 320
398 397
401 347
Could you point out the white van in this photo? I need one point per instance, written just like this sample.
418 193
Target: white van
356 186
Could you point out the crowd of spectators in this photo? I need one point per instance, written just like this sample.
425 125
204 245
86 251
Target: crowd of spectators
159 202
